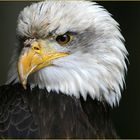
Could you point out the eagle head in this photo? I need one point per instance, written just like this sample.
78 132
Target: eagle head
72 47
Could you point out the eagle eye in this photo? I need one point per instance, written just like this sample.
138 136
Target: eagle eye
63 39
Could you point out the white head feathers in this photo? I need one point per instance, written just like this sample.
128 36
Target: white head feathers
96 64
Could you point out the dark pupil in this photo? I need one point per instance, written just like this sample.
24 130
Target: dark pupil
62 38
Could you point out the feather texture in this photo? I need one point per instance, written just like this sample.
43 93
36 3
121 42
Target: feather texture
96 64
37 114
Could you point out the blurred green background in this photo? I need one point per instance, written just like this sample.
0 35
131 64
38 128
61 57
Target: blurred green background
127 116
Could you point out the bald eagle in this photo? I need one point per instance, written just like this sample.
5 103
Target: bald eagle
66 75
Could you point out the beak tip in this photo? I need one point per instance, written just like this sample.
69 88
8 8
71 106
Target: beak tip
24 86
24 83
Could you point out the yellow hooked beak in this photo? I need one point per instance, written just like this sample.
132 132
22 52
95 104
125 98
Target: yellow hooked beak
35 58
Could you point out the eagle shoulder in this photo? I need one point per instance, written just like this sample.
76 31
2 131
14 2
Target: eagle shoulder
38 114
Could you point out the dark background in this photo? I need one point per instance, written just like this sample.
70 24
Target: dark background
127 116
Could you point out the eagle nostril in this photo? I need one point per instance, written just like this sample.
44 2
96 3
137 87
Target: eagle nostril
36 48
